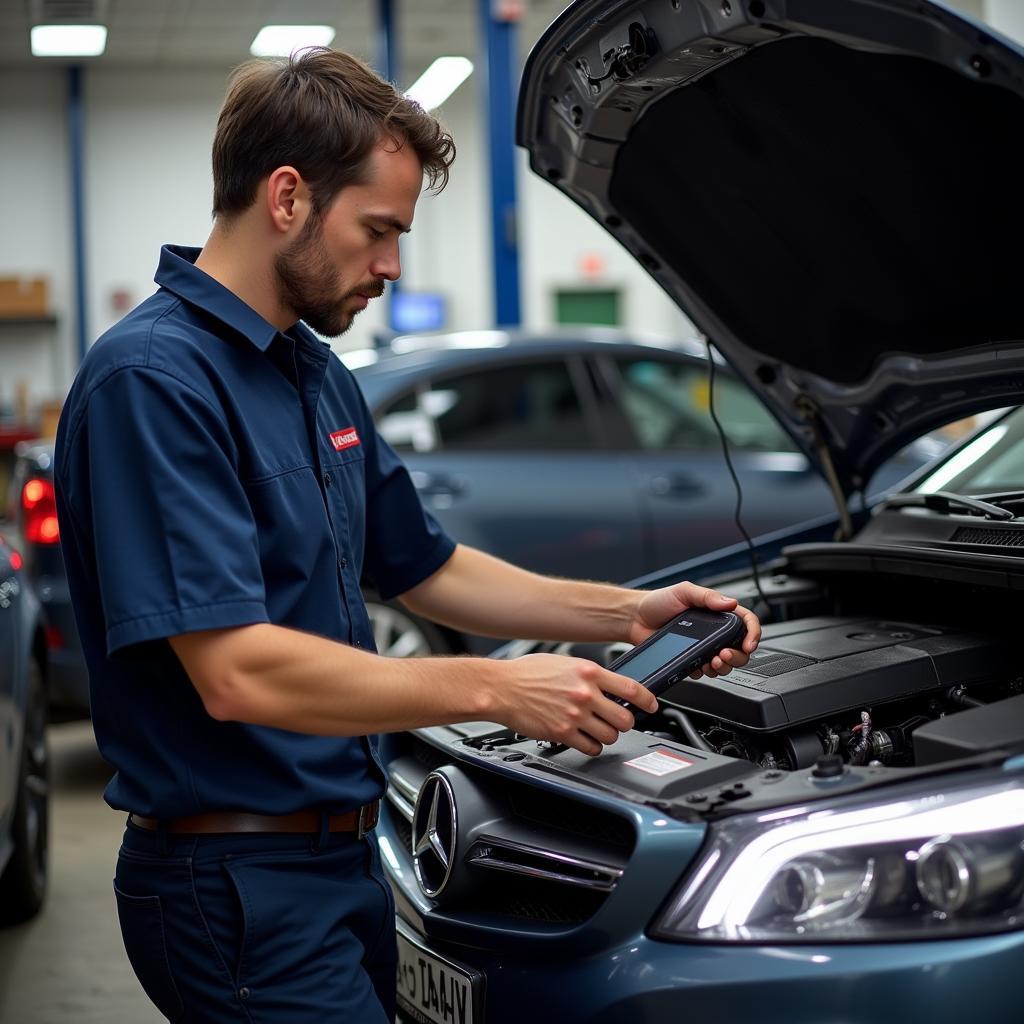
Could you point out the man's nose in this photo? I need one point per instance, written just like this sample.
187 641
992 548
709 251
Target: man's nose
388 264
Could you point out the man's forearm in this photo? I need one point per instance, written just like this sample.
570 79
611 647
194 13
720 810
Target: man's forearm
476 593
270 675
273 676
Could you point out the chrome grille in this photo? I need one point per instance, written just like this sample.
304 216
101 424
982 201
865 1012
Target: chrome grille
501 854
547 858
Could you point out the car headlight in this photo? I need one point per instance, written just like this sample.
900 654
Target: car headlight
938 866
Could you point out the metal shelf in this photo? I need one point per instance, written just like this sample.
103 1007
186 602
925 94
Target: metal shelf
28 321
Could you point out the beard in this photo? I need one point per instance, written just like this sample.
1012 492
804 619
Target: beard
307 283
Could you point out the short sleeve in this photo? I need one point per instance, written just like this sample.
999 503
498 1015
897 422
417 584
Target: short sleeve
404 543
175 542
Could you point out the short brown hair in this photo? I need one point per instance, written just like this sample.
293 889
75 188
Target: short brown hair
322 112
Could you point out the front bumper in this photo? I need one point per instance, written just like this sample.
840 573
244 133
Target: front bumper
541 956
641 979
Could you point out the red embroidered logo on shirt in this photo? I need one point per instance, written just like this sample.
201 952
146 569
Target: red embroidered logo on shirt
347 438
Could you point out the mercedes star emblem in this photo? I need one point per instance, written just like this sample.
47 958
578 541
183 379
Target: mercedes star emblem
433 834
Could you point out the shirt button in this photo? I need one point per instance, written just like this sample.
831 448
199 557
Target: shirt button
327 479
342 562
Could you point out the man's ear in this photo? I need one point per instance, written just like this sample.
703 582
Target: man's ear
288 199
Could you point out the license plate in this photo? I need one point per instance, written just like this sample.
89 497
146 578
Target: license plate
433 989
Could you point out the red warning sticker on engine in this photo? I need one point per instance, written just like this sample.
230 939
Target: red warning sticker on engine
660 762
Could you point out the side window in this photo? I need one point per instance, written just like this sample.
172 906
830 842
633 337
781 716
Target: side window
407 427
748 424
522 407
668 405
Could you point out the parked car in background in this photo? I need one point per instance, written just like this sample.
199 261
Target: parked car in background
24 754
834 832
32 516
588 453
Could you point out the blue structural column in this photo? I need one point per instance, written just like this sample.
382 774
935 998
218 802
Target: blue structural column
388 64
498 74
387 40
76 149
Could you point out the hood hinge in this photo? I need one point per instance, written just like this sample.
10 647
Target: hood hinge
627 59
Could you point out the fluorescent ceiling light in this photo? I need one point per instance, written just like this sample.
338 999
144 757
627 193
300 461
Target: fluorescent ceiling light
68 40
439 81
284 40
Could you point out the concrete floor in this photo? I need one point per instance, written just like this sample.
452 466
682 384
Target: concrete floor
69 964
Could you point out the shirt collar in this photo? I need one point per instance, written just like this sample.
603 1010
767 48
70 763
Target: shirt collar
178 273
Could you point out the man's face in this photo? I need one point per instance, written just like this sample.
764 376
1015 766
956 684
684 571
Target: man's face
341 259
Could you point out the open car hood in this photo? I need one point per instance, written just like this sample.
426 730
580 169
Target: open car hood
830 190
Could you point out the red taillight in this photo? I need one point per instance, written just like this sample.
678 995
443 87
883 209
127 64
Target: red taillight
16 561
40 507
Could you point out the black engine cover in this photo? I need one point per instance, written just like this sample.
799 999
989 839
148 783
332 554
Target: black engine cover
811 669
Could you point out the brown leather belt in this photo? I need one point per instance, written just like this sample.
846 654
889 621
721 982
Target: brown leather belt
212 822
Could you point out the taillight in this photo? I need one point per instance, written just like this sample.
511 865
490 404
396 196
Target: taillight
40 506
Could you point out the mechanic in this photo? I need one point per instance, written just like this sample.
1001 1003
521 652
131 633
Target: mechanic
222 492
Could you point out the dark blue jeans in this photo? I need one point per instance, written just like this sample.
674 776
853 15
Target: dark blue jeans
258 928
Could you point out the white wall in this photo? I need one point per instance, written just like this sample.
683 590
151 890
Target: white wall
148 178
147 181
35 229
449 247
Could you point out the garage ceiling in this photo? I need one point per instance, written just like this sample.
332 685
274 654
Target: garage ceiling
217 33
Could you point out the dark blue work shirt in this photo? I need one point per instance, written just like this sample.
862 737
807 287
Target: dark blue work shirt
215 472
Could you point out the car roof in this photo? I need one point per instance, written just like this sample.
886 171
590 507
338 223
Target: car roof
408 357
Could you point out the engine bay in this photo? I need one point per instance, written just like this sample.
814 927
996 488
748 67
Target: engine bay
861 678
883 670
841 685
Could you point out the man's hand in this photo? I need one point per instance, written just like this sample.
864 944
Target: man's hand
658 606
551 697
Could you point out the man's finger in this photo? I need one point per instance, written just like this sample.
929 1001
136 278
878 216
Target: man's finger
629 689
619 718
753 637
708 670
599 729
728 659
585 744
696 596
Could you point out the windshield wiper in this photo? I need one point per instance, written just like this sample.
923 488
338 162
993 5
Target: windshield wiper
999 497
946 501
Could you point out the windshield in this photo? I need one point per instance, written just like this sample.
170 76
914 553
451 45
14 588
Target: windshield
993 461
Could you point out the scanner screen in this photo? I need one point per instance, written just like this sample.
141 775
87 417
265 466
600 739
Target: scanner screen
658 654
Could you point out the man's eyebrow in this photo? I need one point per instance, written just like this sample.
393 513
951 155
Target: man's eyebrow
391 221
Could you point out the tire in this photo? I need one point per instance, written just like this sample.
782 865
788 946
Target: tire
400 634
23 884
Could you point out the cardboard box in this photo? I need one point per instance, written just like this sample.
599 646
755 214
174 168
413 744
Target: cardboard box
49 414
24 296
